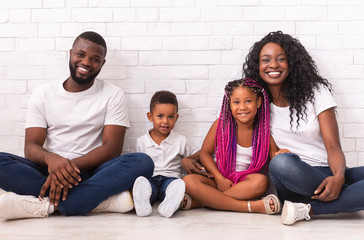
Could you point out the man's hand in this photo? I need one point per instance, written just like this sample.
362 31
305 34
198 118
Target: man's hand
55 192
329 189
64 172
192 166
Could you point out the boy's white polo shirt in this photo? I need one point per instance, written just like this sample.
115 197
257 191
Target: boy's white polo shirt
168 155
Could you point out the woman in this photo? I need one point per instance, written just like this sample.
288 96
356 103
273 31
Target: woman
313 179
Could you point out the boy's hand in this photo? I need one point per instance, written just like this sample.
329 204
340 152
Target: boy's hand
192 166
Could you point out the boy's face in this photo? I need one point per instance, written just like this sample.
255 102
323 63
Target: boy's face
163 116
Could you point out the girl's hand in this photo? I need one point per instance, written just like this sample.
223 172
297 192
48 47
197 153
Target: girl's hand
223 184
283 150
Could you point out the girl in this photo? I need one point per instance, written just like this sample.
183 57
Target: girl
303 120
241 140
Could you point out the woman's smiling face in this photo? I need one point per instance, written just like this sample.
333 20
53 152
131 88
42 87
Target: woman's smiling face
273 64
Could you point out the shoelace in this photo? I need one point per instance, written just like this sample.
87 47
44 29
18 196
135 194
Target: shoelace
37 207
303 212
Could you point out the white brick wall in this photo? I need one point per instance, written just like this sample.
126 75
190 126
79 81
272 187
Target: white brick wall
190 47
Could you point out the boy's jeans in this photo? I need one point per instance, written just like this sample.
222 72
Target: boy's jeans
159 185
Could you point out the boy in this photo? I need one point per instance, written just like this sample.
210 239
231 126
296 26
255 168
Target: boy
166 148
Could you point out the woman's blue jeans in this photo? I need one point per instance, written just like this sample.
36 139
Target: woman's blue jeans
296 181
24 177
159 185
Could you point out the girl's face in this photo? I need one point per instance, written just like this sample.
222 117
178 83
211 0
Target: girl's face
273 64
244 104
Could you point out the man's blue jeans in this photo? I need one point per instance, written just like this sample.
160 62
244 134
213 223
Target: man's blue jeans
159 185
24 177
296 181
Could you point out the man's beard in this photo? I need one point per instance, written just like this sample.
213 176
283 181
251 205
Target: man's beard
82 81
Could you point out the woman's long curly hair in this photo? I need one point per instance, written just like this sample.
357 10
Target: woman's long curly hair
303 78
226 134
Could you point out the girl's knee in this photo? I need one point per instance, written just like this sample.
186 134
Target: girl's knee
191 181
259 183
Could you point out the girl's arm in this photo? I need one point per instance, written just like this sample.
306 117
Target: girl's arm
207 151
331 187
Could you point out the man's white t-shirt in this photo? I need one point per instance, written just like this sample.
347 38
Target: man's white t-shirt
306 140
75 120
168 155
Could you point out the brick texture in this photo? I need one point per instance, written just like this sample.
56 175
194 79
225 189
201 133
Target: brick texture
190 47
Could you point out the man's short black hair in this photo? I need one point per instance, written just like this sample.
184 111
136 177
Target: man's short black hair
163 97
92 37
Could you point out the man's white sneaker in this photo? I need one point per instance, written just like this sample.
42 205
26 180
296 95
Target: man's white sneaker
121 203
2 191
293 212
174 195
141 195
14 206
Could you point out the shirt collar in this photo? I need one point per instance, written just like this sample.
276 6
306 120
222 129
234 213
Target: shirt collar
168 140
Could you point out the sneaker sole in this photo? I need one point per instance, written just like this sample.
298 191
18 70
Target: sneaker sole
287 217
141 194
174 195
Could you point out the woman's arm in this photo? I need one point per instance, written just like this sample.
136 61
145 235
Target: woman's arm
274 150
331 187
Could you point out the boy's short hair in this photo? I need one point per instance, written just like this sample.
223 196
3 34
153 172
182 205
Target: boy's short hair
165 97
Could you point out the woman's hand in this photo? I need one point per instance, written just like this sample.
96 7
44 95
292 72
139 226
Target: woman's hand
283 150
329 189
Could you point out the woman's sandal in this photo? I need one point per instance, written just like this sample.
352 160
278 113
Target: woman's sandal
266 203
186 202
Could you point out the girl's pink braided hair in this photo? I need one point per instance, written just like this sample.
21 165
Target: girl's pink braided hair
226 134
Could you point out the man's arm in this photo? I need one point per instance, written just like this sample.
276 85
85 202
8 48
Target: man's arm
59 167
112 146
63 174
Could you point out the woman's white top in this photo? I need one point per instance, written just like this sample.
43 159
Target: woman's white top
306 140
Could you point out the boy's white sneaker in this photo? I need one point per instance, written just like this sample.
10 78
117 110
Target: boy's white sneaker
141 196
174 195
121 203
14 206
293 212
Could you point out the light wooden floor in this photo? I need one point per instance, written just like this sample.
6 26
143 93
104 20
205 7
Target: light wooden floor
187 225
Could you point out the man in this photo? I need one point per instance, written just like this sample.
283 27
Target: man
73 140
